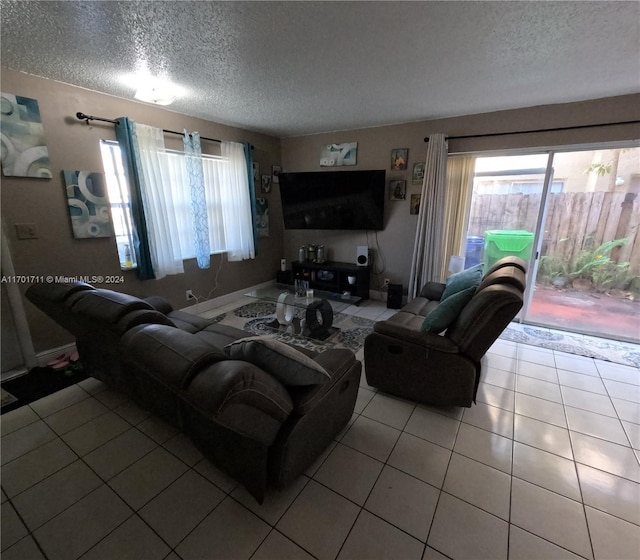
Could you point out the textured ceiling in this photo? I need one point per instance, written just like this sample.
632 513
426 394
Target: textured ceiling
292 68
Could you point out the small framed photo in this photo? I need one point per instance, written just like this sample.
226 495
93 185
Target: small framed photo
265 184
415 204
275 171
417 176
397 190
399 158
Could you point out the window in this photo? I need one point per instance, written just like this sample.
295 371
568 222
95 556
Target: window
499 185
120 203
227 198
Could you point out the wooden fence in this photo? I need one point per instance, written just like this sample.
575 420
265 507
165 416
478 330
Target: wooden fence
575 221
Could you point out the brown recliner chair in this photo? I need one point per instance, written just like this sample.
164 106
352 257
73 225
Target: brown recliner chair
444 368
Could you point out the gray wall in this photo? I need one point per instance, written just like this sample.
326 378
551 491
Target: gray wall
393 247
74 145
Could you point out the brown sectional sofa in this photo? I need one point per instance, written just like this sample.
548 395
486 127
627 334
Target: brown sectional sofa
258 429
443 368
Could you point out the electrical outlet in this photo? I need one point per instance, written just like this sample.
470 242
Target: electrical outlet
190 295
386 282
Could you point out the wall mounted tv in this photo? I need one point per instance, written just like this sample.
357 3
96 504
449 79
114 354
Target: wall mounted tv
333 199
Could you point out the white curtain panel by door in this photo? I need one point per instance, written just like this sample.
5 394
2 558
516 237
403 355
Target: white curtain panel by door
426 264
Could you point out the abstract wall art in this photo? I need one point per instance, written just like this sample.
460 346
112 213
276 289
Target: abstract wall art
88 204
335 155
24 152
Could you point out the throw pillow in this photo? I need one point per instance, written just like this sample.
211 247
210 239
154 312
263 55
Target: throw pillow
447 311
462 280
285 363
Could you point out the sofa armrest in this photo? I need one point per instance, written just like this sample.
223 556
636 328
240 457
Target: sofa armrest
159 304
432 291
234 393
338 362
406 327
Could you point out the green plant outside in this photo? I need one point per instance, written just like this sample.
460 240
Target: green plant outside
591 265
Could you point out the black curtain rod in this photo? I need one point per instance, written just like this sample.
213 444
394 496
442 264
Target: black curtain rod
534 131
88 118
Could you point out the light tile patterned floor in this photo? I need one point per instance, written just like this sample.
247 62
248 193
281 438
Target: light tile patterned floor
545 465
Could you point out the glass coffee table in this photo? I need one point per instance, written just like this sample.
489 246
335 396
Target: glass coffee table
319 308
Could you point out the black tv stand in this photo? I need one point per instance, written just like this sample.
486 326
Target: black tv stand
333 276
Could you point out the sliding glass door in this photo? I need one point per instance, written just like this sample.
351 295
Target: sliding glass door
588 270
574 216
505 207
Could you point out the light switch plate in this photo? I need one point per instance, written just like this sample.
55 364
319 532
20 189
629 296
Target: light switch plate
26 231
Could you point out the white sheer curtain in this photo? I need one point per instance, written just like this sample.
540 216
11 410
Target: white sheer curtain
426 263
168 208
236 204
158 201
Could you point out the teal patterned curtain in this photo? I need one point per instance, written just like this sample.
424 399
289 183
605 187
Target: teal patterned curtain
198 201
126 136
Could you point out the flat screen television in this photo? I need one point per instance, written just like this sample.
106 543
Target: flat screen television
333 199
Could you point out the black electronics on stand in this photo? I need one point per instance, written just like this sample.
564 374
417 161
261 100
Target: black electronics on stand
394 296
284 277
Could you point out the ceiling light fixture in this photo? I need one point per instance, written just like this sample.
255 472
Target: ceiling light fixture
152 89
156 91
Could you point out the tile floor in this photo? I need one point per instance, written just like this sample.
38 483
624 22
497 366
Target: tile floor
544 466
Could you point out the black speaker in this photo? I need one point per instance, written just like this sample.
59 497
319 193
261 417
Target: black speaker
284 277
394 296
362 255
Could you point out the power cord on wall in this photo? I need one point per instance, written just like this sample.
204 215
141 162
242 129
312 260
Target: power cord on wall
381 285
200 299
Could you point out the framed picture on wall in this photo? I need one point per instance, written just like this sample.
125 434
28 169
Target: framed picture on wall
415 204
397 190
265 185
275 171
336 155
399 159
417 176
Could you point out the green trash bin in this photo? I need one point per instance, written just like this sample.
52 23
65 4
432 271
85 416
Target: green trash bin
500 243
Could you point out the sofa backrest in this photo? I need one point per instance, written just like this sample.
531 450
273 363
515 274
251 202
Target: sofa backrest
53 300
86 311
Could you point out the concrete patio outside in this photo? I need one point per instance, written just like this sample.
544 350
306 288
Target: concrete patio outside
599 314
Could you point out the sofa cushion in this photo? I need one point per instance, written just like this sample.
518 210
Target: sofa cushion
421 306
447 312
284 362
463 280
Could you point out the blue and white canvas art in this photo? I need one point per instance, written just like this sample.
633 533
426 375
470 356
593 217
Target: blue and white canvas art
88 204
24 151
336 155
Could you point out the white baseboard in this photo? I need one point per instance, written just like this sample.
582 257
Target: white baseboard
42 359
220 301
48 355
377 295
